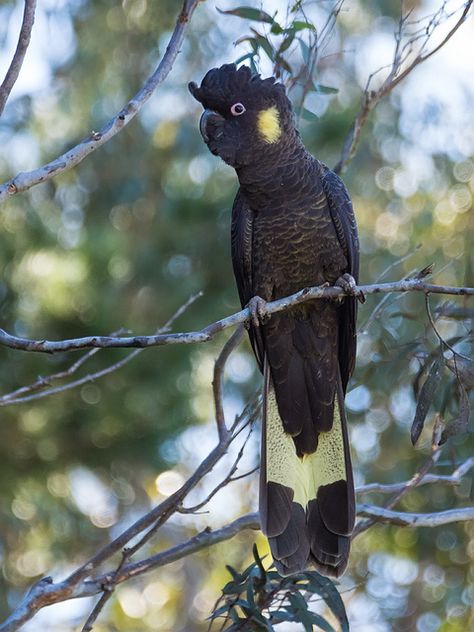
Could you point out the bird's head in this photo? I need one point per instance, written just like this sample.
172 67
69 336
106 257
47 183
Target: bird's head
244 116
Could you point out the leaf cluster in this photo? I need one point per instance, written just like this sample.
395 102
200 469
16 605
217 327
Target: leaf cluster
279 44
260 599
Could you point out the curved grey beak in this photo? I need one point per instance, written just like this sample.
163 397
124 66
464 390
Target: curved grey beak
206 116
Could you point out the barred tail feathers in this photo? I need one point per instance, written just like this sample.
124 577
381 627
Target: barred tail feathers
307 506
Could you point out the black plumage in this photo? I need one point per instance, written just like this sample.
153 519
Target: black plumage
292 227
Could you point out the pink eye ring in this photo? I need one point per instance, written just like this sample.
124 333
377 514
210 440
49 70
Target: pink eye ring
237 109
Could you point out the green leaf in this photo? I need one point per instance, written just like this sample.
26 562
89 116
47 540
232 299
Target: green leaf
300 608
305 51
235 575
426 396
318 620
284 64
232 588
283 615
299 25
307 115
460 424
287 42
276 29
249 14
234 615
244 58
220 611
259 562
264 43
325 89
327 590
250 596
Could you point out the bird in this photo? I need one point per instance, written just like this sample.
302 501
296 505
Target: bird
293 226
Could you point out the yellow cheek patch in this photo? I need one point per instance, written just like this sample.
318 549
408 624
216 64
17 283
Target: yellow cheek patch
268 124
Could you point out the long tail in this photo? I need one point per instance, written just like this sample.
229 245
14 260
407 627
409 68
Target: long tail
307 507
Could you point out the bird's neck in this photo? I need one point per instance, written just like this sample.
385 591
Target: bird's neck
263 182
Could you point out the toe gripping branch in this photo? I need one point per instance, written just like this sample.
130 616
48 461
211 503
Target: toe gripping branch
258 312
348 284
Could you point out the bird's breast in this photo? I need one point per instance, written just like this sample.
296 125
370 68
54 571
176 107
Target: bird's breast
295 248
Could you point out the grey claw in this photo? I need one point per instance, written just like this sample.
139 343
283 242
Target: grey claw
258 311
348 284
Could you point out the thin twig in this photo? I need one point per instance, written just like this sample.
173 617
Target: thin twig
391 488
17 397
217 382
210 331
108 588
76 154
375 313
20 52
372 97
403 519
443 342
229 478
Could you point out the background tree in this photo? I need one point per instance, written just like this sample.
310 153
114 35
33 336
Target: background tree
123 241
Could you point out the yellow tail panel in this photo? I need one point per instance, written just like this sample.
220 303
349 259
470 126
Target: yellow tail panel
304 475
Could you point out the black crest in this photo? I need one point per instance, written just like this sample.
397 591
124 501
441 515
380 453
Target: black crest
227 84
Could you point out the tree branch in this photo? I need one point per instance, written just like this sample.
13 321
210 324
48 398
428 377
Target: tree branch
450 479
45 592
20 52
402 519
208 333
372 97
76 154
34 391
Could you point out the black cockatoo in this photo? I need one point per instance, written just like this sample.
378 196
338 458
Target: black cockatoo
292 227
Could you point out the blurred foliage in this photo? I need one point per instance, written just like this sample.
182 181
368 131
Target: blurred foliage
259 599
125 238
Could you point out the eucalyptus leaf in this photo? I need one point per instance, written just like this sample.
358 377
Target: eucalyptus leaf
321 89
307 115
299 25
425 398
249 13
328 591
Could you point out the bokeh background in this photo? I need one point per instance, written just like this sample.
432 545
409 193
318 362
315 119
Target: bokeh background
142 224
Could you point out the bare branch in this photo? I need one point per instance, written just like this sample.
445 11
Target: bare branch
451 479
372 97
219 366
108 589
76 154
32 391
20 52
45 592
207 333
225 481
402 519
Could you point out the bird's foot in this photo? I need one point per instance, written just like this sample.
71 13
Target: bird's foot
348 284
258 312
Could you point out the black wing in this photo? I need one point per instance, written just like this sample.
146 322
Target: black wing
241 245
343 217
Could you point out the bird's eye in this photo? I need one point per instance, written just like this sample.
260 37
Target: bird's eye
237 109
